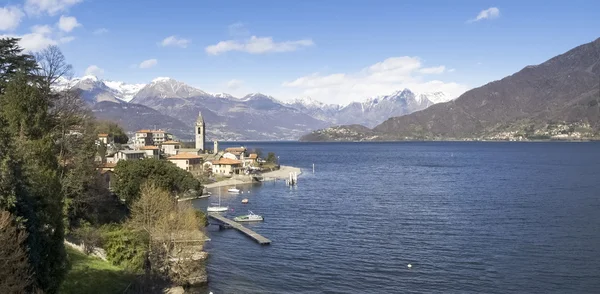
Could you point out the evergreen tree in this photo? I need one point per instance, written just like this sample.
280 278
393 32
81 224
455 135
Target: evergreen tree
39 200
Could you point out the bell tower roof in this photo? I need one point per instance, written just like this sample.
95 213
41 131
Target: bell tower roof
200 119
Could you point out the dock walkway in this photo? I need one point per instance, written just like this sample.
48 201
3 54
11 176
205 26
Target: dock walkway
250 233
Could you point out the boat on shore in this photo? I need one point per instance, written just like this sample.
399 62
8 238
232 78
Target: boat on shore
250 217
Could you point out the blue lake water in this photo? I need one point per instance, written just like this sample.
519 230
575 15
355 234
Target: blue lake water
469 217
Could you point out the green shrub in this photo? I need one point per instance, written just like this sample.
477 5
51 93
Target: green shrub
125 247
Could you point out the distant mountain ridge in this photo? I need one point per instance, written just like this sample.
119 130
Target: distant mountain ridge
559 98
253 117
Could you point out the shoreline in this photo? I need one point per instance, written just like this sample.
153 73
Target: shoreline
281 174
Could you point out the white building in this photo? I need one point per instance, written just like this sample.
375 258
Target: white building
126 155
151 151
226 166
170 147
187 161
151 137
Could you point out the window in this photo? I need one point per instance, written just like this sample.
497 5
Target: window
199 130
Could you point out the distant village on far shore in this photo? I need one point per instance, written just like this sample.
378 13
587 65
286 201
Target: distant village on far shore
161 145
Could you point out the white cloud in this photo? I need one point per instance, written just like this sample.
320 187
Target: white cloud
148 63
35 42
41 36
433 70
100 31
10 18
67 23
94 70
452 70
490 13
52 7
175 42
234 84
257 45
382 78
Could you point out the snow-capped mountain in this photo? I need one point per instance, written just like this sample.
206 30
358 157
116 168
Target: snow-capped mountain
165 88
253 117
126 91
94 90
370 112
315 108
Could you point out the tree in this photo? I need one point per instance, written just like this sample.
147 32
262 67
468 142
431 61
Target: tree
114 130
52 65
15 274
131 174
271 158
173 230
25 113
12 60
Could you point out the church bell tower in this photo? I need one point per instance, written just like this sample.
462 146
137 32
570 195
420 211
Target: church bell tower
199 131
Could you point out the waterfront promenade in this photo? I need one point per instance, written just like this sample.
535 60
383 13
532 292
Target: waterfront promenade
281 174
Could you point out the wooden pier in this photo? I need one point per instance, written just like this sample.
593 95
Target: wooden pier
250 233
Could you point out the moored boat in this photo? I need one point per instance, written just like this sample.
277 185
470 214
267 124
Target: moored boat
250 217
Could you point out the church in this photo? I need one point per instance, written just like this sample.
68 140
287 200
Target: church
200 138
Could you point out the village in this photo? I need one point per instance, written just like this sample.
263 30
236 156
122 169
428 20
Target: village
209 163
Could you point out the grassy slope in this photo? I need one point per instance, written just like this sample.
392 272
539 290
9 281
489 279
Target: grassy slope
92 275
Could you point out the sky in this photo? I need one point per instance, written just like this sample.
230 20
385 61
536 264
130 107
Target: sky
332 51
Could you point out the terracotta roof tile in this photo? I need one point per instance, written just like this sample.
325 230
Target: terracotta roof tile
184 156
226 161
171 142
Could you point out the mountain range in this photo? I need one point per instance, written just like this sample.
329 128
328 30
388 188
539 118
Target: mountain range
172 105
559 98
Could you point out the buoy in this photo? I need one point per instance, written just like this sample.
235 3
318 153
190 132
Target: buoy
409 265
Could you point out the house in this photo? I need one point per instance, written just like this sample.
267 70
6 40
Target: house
151 151
187 161
170 147
231 155
104 138
107 171
226 166
151 137
189 150
126 155
251 160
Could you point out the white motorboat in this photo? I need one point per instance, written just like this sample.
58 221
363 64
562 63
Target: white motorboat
233 190
250 217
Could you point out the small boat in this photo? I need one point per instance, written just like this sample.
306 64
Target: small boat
233 190
251 217
218 207
245 200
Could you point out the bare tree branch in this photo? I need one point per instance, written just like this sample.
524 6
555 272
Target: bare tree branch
52 66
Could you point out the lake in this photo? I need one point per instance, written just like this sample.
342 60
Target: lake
470 217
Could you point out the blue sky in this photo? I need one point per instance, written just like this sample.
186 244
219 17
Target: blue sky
332 51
